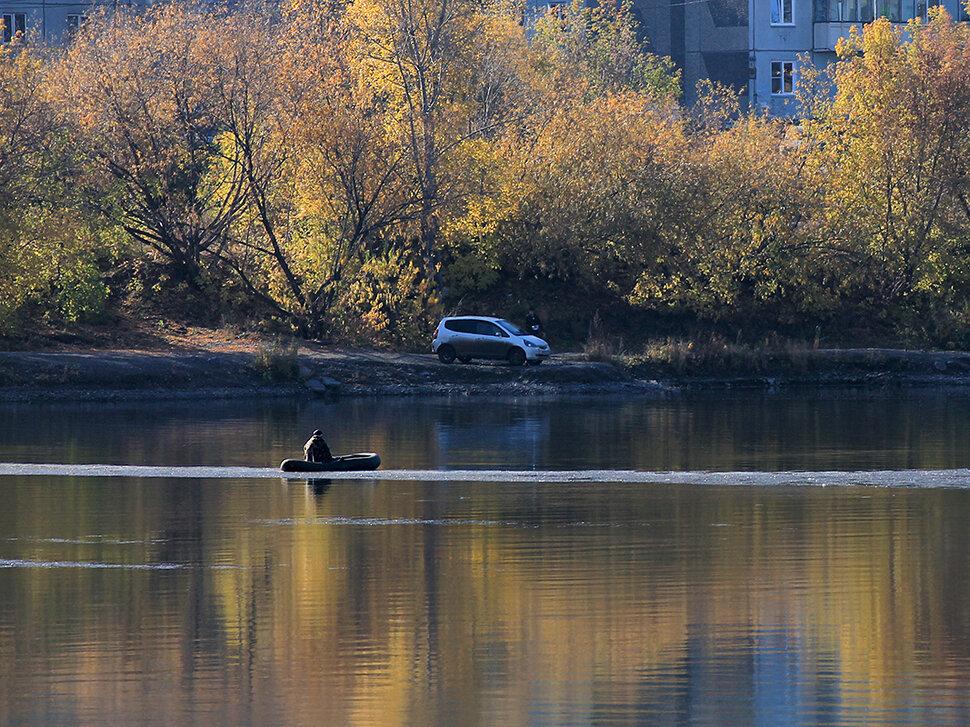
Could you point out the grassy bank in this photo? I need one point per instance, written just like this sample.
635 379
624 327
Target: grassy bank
715 358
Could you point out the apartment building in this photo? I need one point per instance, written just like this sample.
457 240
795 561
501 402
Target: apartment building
784 31
755 46
705 38
49 21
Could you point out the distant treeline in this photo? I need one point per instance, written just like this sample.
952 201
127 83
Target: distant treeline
354 170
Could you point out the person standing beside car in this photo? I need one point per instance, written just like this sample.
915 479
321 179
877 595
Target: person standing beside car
532 323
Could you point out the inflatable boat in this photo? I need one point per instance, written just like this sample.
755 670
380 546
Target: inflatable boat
340 463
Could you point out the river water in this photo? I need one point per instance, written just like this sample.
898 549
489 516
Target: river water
824 580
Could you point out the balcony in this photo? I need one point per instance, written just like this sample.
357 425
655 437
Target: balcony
859 12
834 18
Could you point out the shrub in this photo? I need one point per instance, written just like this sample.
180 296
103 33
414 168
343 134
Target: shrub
277 361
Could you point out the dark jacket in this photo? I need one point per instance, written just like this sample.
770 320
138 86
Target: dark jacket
316 449
533 323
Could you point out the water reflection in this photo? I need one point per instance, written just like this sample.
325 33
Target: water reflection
926 430
319 487
233 601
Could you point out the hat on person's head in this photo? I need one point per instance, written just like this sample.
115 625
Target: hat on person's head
317 433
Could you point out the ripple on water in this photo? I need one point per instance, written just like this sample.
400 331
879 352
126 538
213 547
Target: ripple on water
947 478
21 563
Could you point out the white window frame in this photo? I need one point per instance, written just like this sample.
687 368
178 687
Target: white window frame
74 23
783 12
13 23
781 66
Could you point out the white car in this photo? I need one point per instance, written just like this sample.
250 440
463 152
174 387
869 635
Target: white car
469 337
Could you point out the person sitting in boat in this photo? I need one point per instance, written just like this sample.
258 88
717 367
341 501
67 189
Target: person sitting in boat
316 449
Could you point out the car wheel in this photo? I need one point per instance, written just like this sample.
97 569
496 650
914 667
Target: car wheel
516 357
446 354
465 359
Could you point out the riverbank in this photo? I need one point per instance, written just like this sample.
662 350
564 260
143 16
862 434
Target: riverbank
206 364
319 371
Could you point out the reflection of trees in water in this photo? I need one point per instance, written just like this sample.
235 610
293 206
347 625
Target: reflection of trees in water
710 594
499 436
398 601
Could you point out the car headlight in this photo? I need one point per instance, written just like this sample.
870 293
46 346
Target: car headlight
530 344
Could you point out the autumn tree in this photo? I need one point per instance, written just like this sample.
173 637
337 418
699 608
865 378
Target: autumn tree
354 182
49 264
894 142
599 45
434 60
139 88
325 172
362 160
253 148
23 132
738 248
592 194
575 183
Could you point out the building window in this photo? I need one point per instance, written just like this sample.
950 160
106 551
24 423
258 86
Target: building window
14 24
892 10
74 23
782 78
782 12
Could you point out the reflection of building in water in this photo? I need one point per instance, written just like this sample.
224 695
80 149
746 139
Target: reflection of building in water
500 441
761 677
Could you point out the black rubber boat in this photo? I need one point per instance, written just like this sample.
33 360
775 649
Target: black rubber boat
341 463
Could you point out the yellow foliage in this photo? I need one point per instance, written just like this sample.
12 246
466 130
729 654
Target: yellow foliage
388 303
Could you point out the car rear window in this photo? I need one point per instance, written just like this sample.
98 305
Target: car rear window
462 326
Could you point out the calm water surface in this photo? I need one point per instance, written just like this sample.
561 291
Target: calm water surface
136 601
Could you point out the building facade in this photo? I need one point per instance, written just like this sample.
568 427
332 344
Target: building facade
47 21
756 46
705 38
782 32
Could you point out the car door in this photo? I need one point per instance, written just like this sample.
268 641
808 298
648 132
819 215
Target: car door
494 341
465 338
476 342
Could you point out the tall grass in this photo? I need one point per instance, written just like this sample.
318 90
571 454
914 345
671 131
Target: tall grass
711 356
277 361
600 345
